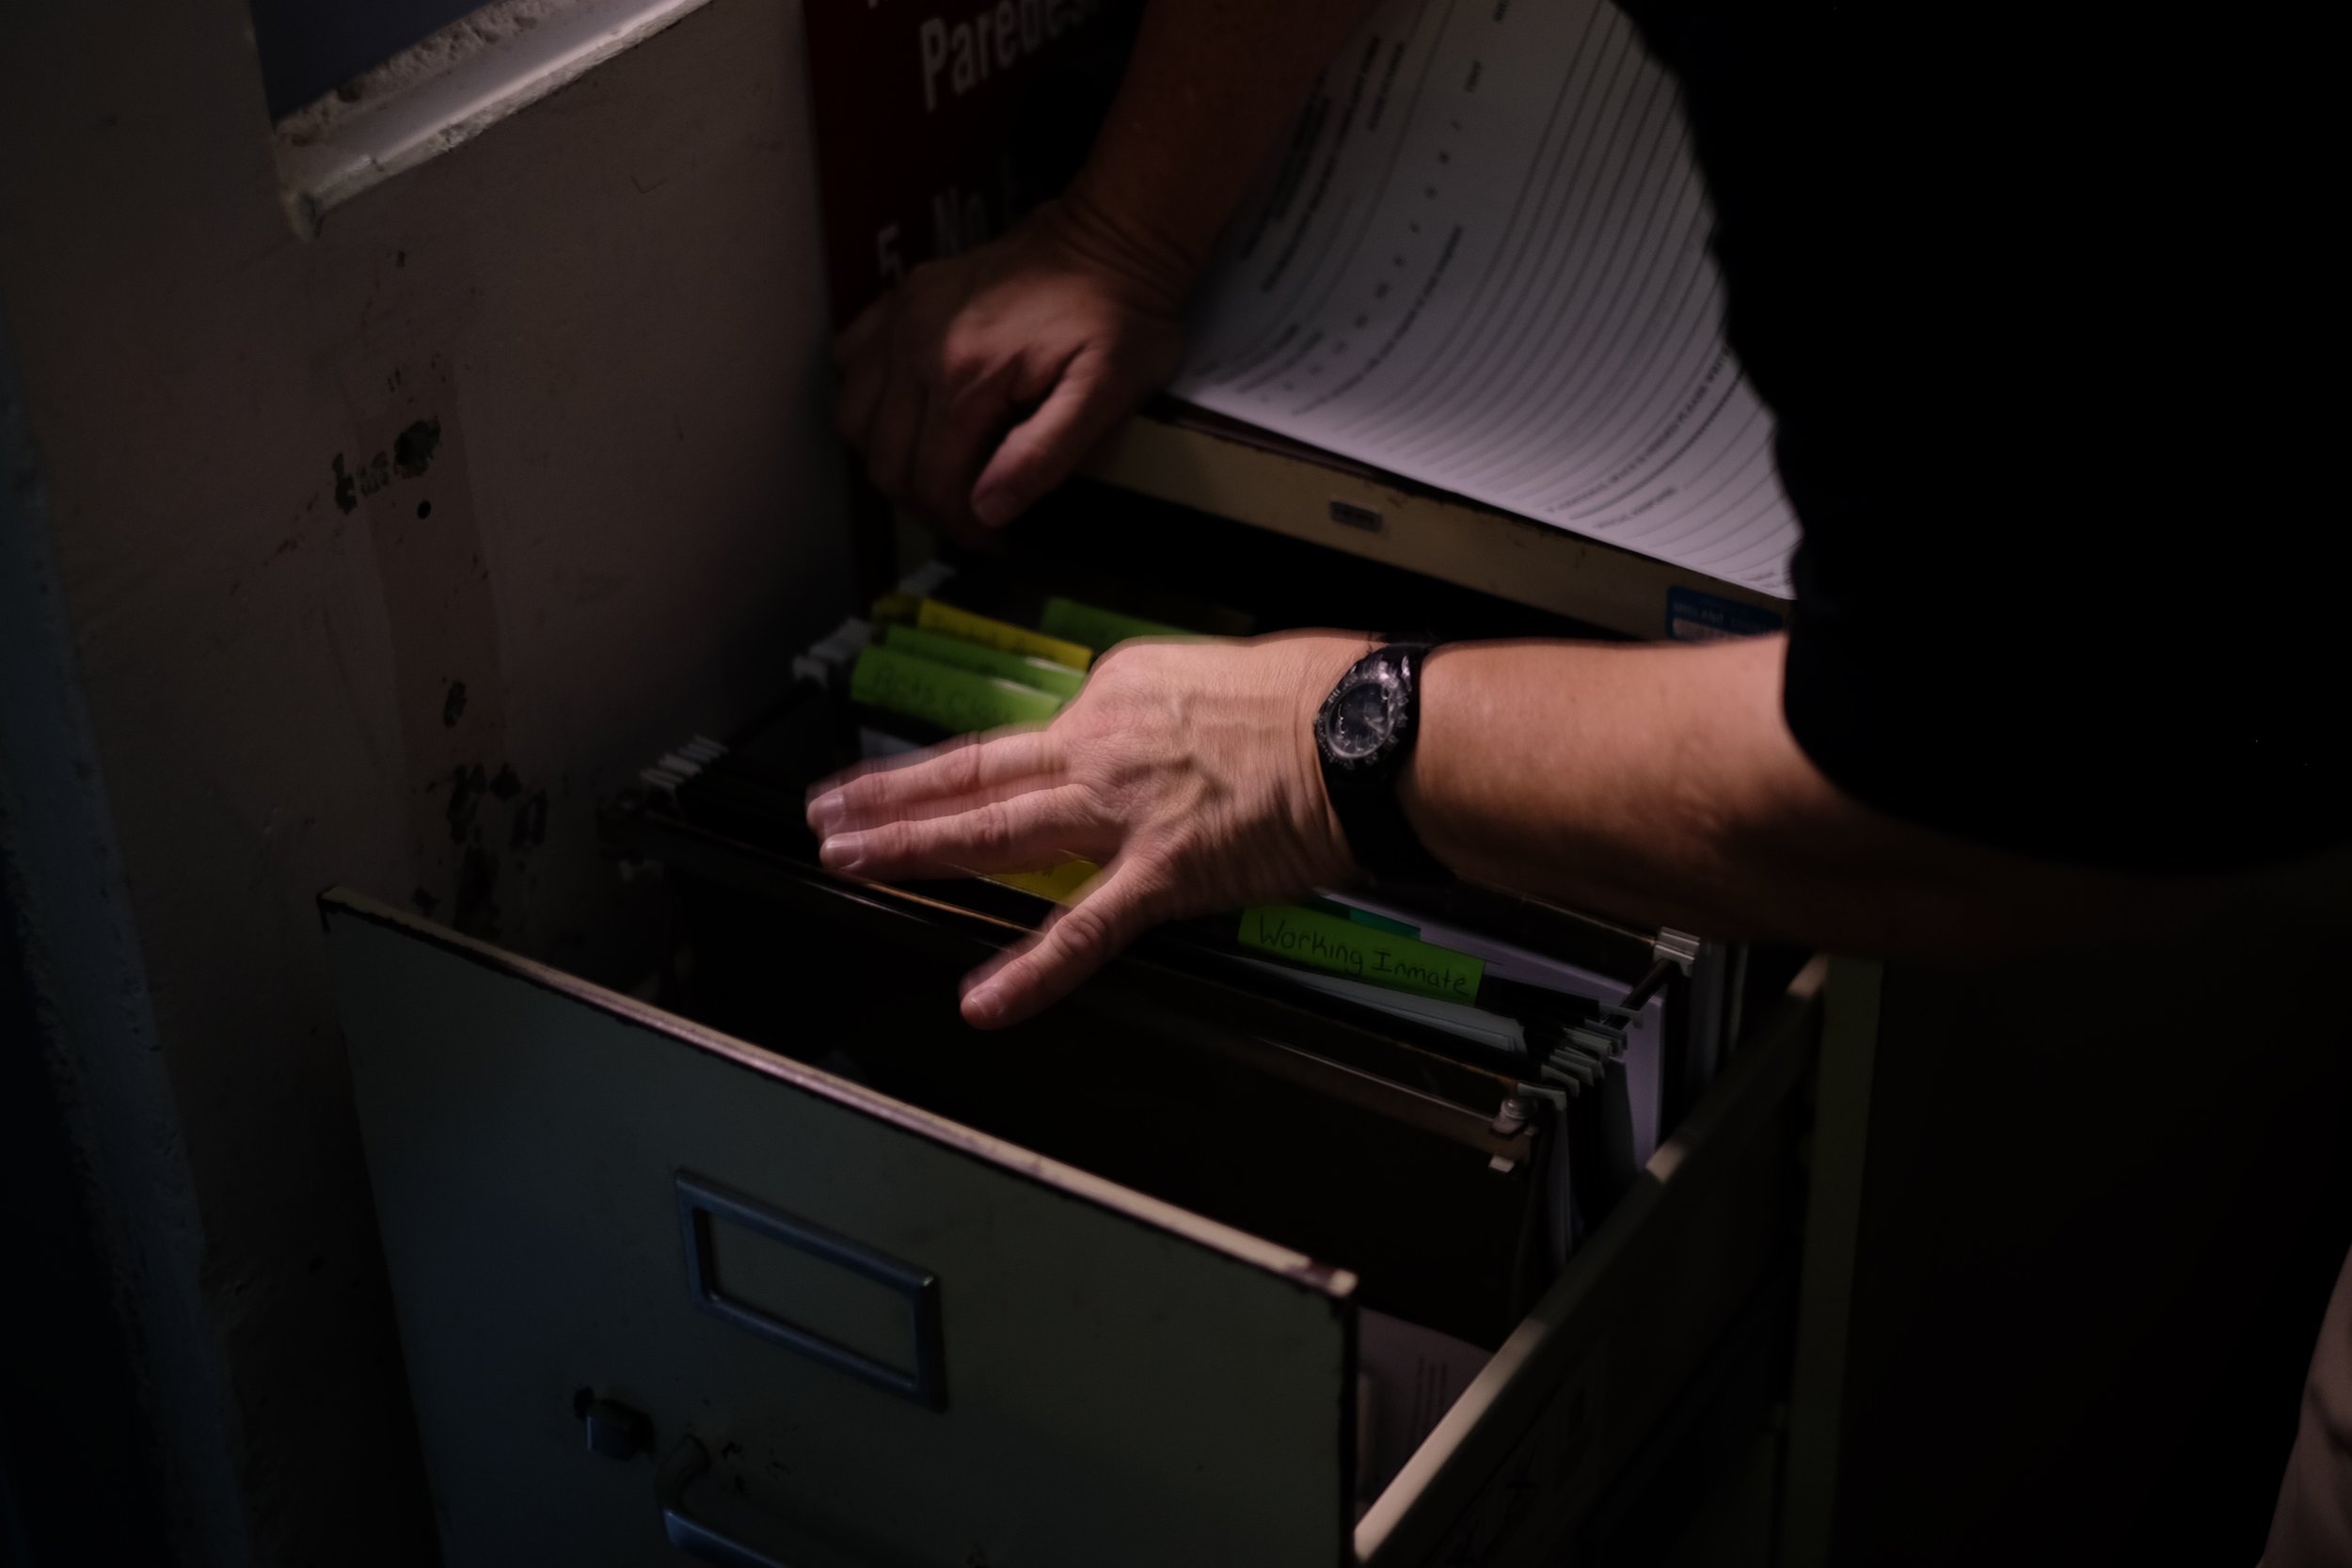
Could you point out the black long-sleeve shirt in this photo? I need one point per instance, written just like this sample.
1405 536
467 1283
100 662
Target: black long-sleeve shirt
2043 312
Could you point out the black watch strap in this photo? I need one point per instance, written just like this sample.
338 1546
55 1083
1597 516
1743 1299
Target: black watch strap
1383 840
1379 834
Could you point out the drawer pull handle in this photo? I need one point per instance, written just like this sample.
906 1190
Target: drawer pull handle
924 1380
688 1463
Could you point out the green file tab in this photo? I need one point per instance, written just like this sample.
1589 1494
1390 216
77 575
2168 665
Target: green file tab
955 700
1057 680
1363 952
1096 628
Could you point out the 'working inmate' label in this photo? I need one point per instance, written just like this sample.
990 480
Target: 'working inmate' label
1362 952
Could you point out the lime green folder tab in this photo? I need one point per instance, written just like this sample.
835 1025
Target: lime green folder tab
1097 628
1362 952
1057 680
956 700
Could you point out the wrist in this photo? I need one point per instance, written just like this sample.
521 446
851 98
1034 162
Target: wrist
1323 661
1367 733
1447 789
1151 269
1423 780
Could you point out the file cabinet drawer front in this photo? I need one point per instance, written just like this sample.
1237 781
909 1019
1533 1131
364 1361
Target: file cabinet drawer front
886 1330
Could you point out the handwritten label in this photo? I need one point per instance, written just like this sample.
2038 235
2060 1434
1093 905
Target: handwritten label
958 701
1096 628
1059 680
1363 953
947 620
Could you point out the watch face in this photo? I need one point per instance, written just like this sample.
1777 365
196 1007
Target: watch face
1361 717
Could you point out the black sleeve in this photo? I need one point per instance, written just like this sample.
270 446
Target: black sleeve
2041 313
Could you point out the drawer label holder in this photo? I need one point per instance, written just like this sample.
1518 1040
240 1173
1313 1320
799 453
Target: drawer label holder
701 1201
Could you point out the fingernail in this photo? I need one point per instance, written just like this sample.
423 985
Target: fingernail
842 853
994 507
983 1004
826 812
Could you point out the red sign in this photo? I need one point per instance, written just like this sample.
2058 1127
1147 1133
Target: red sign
939 121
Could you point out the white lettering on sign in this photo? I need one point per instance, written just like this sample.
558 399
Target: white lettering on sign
961 55
959 221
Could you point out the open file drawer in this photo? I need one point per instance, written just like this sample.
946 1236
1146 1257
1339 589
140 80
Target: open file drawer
798 1270
655 1282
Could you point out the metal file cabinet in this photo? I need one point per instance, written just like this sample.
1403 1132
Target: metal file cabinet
684 1283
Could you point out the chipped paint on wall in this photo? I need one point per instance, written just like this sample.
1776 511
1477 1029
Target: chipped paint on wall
448 88
268 699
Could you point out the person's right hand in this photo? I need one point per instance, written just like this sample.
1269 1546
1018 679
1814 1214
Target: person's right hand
980 382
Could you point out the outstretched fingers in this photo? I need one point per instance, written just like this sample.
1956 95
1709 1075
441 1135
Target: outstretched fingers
1125 901
977 767
1024 831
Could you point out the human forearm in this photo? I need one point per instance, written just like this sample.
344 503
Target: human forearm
1655 784
1209 87
1660 785
979 383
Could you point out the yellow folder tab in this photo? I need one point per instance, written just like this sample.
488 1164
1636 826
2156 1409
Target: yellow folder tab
948 620
895 609
1061 884
955 700
1363 952
1058 680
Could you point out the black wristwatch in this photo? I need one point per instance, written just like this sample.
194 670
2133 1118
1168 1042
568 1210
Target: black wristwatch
1364 733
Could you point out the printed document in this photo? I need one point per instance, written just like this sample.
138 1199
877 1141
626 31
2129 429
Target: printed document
1481 263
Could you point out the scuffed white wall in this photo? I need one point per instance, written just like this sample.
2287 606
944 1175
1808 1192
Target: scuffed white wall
382 557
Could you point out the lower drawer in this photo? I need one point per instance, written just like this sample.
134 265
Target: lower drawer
664 1290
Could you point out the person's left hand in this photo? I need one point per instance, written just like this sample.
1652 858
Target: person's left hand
1186 770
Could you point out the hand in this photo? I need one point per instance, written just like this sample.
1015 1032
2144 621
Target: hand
980 383
1186 770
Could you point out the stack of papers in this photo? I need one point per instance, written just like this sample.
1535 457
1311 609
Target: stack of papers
1481 263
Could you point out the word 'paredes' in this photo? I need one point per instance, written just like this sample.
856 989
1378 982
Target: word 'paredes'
957 57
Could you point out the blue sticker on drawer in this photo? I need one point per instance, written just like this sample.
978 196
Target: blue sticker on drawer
1696 617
